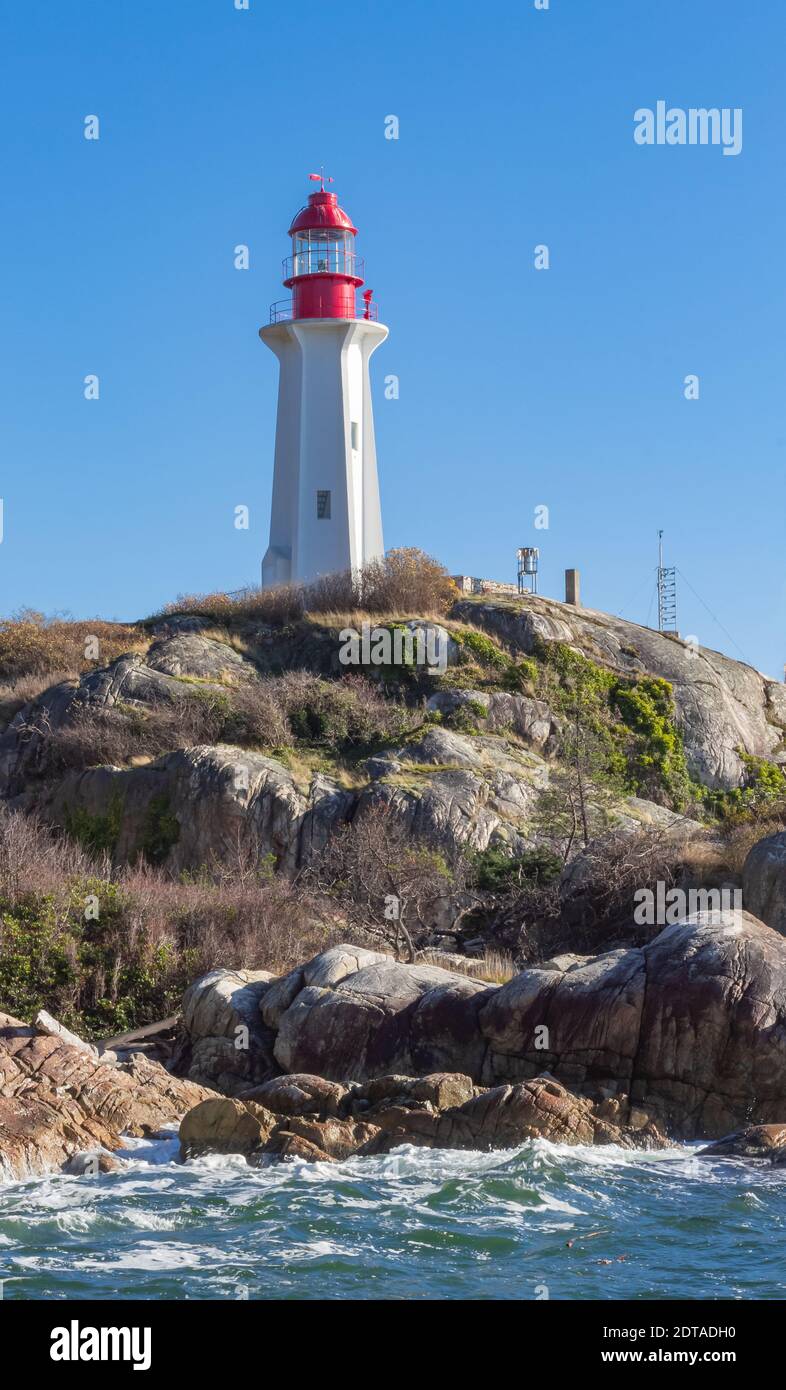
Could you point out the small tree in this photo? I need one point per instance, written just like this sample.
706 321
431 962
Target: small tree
383 883
582 786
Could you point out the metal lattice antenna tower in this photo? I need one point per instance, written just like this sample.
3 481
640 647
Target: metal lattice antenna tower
667 593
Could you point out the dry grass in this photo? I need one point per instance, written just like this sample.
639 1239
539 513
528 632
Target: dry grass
405 582
493 967
33 645
16 693
356 617
740 837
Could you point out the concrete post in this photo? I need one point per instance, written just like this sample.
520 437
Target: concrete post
573 588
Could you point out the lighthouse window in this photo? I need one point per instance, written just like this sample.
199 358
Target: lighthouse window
355 433
323 506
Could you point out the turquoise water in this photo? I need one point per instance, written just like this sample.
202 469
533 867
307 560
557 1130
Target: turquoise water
416 1224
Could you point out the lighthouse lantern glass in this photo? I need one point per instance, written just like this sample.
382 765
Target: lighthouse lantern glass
322 251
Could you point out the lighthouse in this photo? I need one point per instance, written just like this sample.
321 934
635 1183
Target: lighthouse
325 513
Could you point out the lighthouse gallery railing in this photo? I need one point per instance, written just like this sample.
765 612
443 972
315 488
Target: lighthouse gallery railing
282 310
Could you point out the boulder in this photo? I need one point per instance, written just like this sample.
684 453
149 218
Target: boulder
25 746
443 1089
328 968
89 1165
360 1026
439 1091
331 1138
691 1026
453 789
294 1146
764 881
504 1117
220 797
298 1095
411 1110
221 1125
530 719
228 1045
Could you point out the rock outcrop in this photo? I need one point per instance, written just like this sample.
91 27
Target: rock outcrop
217 796
723 706
302 1117
201 658
766 1143
690 1027
57 1100
764 881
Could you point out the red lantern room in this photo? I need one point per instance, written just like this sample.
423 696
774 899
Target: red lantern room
323 271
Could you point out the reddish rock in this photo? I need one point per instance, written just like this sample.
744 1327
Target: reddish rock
57 1100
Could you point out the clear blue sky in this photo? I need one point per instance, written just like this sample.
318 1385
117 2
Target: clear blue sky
517 388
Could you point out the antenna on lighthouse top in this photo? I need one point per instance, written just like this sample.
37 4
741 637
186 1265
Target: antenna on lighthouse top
320 178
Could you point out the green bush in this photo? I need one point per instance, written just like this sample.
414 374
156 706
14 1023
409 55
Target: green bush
497 871
631 720
465 717
97 833
87 970
764 789
161 830
476 646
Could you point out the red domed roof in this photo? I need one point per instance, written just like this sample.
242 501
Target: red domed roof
322 210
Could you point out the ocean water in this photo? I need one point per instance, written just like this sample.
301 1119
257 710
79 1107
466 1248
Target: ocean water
541 1221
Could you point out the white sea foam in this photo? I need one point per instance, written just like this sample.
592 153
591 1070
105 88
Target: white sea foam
156 1255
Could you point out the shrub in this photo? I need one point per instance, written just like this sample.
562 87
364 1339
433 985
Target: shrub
762 794
161 830
385 884
497 871
404 581
276 606
631 721
476 646
98 832
34 645
339 715
272 712
95 736
152 935
465 718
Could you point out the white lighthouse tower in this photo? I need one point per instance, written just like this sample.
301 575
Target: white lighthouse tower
325 514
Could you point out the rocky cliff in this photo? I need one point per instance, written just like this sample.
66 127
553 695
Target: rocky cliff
121 755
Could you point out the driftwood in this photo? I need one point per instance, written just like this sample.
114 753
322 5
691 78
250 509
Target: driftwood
150 1030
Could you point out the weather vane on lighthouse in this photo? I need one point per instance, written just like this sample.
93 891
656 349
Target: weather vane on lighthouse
320 178
325 514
